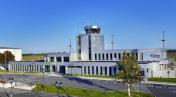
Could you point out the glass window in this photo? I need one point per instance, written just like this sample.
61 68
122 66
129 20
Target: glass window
115 55
119 56
110 56
103 56
101 70
51 59
107 58
99 56
58 59
88 69
66 59
92 69
84 69
95 56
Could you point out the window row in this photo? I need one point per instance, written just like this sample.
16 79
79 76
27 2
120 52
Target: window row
95 70
59 59
108 56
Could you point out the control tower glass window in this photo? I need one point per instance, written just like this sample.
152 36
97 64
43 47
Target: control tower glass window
92 29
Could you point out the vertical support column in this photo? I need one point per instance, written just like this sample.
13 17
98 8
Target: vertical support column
90 70
112 70
48 59
103 69
55 60
58 68
95 70
35 68
107 70
38 68
9 67
62 58
99 70
82 70
87 70
51 68
22 66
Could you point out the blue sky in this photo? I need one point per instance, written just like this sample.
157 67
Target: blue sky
47 25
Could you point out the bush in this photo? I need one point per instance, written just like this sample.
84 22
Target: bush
172 80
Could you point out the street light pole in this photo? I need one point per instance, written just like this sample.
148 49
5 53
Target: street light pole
11 80
5 61
43 71
141 78
140 89
58 86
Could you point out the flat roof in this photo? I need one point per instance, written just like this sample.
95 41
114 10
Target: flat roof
8 48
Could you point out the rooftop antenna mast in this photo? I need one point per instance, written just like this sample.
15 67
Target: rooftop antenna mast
163 40
112 42
70 46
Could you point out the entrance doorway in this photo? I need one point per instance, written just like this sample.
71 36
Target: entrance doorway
62 69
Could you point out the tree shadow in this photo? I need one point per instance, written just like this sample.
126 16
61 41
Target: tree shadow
84 81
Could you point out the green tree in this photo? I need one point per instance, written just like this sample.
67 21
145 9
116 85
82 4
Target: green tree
2 58
6 57
129 70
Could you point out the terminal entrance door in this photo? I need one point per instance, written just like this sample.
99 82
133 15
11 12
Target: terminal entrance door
62 69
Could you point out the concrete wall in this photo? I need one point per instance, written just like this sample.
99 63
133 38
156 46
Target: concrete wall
165 74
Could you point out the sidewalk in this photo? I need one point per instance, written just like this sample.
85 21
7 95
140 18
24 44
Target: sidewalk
159 83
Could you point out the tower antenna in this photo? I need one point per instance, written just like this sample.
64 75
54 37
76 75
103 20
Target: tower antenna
163 39
112 42
70 46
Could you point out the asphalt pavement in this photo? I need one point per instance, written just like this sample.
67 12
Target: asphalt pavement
162 90
105 85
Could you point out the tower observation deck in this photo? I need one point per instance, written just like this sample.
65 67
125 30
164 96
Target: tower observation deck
93 29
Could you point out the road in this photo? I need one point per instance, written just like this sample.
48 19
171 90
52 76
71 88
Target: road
157 90
162 90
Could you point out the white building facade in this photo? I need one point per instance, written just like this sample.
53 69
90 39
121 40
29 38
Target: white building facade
92 58
17 52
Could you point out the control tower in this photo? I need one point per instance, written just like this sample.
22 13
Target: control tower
89 42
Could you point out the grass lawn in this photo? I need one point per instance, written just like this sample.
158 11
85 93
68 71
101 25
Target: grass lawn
80 92
98 76
170 80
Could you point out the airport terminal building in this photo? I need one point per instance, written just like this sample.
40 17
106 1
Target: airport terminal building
91 58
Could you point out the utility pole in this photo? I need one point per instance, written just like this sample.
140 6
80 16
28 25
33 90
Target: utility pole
112 42
163 42
70 46
163 39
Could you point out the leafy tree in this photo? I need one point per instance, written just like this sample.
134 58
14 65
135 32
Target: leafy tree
129 70
6 57
2 58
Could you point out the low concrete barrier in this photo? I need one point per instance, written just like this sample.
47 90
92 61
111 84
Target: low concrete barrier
23 86
17 85
6 85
